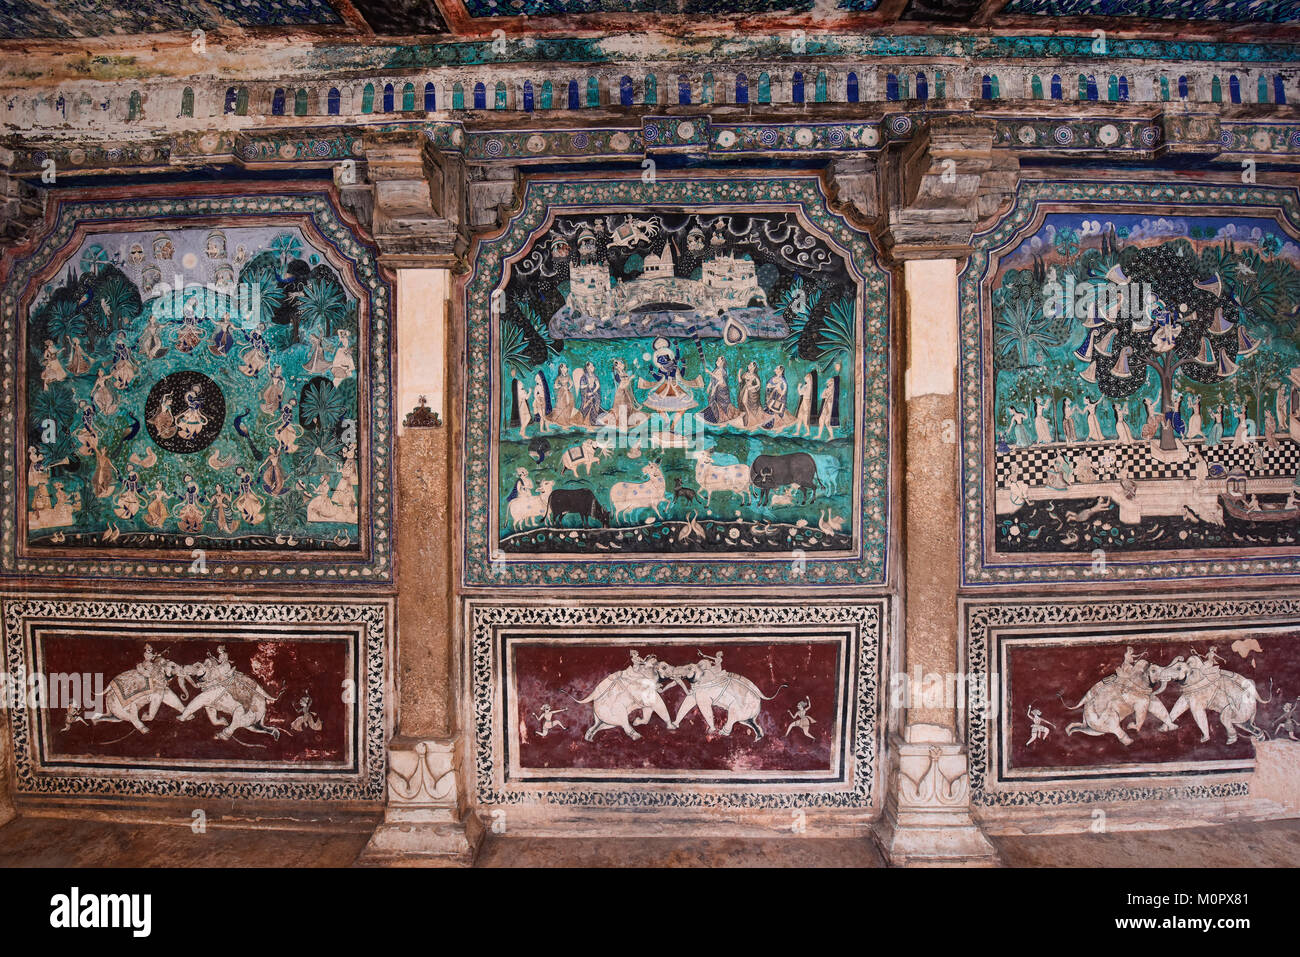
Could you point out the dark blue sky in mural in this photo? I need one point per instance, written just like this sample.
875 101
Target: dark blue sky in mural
89 18
1269 11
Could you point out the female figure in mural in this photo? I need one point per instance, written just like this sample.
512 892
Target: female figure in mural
1200 468
829 417
520 414
719 410
803 412
51 367
777 396
191 421
271 473
593 410
150 342
223 337
247 501
1152 421
1214 434
1245 430
348 470
626 409
1067 422
189 335
751 409
1094 424
1042 427
345 499
223 512
1083 470
273 393
284 430
128 503
37 473
541 402
41 501
124 367
1280 406
104 479
157 514
316 362
565 413
78 362
1061 475
1123 433
190 514
342 365
1270 430
86 435
102 394
1194 423
254 356
1020 434
163 421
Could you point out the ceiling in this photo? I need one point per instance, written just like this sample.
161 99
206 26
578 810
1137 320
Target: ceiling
85 19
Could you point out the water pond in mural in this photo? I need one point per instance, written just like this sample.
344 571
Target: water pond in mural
1146 385
193 388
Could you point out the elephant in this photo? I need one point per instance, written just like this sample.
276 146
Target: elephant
635 688
234 694
133 689
712 687
1128 691
1206 687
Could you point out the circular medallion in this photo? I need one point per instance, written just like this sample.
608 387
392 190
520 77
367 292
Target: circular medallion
184 412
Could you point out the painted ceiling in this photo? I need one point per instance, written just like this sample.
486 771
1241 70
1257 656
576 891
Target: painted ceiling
85 19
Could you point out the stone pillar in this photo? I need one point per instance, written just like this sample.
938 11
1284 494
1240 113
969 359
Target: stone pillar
927 814
7 812
425 820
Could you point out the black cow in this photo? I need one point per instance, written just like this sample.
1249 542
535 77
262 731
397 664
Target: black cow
578 501
769 472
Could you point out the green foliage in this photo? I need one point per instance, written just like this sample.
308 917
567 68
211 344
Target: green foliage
322 303
322 405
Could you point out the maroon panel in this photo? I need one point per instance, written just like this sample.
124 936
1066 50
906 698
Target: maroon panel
287 669
1036 674
556 674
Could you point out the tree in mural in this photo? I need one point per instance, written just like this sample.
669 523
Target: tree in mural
1190 324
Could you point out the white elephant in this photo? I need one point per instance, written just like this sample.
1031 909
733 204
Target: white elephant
635 688
134 689
235 694
1207 687
1128 691
711 687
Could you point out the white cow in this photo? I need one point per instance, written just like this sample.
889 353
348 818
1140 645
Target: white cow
721 478
629 496
527 509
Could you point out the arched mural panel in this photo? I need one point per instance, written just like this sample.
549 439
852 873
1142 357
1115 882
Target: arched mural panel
1132 385
680 382
203 392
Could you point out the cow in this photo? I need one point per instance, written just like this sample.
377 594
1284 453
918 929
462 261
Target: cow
769 472
628 497
576 501
720 478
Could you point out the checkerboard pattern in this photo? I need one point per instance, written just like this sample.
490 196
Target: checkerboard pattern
1256 460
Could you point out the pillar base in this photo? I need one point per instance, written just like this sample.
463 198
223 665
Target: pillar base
927 820
424 823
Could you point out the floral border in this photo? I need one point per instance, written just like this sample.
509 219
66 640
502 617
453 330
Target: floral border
862 701
319 208
366 783
1087 195
804 192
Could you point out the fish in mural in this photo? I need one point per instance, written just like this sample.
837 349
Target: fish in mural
1147 385
695 369
153 370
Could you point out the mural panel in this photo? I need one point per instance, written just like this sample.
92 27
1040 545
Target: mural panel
252 700
741 705
193 389
1141 377
678 375
1107 700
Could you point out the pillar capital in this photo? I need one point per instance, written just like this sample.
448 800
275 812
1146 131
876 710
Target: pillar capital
417 200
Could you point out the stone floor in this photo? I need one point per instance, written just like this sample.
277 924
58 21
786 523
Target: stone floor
57 842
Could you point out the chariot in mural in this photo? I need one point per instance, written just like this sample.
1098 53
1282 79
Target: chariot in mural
1145 382
673 378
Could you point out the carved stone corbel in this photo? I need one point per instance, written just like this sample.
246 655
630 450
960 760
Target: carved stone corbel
941 184
492 195
927 816
419 210
425 821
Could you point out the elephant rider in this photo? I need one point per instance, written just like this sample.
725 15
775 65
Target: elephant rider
1208 666
218 675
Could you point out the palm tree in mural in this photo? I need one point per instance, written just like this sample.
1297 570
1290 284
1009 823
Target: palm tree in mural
287 247
63 321
119 301
320 303
1022 330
